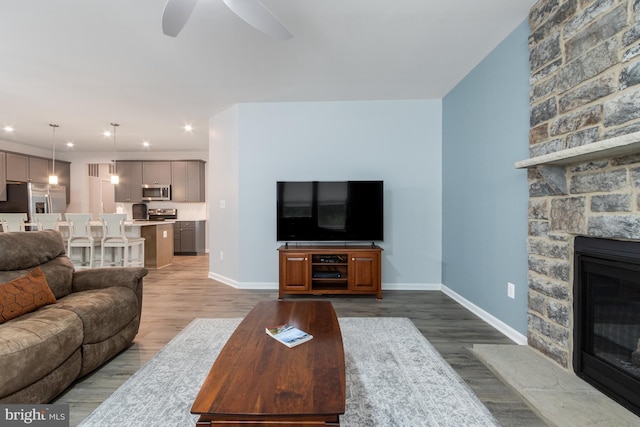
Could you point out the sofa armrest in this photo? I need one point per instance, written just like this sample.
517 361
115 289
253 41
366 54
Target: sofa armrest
100 278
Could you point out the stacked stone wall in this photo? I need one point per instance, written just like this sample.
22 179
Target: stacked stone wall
585 87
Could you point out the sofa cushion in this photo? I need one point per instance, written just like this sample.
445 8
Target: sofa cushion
95 354
59 274
104 312
51 385
13 263
22 251
24 295
35 344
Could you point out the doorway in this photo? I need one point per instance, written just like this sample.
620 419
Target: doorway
101 190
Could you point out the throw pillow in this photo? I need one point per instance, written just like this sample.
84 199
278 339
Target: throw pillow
24 294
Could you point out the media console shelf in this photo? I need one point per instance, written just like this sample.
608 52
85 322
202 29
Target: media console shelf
318 270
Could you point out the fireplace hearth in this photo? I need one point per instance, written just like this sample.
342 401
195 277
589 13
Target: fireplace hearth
607 317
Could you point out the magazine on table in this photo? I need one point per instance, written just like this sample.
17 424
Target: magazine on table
288 335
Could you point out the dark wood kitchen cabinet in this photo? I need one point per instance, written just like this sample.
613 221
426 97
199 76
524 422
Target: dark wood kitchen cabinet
130 187
22 168
17 167
38 170
187 183
156 173
189 237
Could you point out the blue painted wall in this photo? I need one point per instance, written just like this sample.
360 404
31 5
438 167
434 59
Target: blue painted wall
485 130
398 142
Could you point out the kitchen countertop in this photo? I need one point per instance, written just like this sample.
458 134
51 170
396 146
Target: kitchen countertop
143 222
127 223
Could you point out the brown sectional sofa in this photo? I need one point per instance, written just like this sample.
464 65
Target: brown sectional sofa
96 315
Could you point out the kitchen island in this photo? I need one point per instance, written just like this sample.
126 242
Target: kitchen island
158 242
158 239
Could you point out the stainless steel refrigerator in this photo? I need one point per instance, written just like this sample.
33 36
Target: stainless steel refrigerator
34 198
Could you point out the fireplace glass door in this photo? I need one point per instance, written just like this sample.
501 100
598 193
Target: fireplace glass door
607 308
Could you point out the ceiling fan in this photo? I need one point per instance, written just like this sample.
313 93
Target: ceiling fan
253 12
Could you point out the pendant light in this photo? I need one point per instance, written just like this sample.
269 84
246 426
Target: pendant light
53 178
115 179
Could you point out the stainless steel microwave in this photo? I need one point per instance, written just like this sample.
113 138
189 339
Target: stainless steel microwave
151 192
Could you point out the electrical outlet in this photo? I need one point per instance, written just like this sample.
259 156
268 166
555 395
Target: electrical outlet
221 255
511 290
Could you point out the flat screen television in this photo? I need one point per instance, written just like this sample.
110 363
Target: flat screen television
330 211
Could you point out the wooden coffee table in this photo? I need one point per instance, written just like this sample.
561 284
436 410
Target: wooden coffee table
257 380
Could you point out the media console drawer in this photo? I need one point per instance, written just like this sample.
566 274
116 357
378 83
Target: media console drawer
330 270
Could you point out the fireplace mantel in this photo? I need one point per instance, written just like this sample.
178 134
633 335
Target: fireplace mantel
613 147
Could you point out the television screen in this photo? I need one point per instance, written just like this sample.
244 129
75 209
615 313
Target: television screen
330 211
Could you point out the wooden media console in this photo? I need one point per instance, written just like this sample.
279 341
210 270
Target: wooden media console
347 269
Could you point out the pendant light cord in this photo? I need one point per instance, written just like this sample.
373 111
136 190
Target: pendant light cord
53 161
115 167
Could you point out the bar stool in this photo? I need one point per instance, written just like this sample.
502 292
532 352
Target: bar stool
13 221
80 236
47 221
114 236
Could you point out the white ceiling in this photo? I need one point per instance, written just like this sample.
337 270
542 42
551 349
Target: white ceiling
84 64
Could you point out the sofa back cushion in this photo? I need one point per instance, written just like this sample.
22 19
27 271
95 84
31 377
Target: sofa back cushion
26 250
21 252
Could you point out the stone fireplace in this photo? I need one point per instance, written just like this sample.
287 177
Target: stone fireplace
584 165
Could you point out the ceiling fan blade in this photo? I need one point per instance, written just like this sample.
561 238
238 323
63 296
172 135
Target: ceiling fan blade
175 16
258 16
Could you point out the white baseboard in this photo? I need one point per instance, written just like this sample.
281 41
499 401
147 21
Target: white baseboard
265 286
224 279
411 287
269 286
498 324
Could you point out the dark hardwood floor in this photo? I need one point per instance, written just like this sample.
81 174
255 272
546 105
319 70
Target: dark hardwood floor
175 295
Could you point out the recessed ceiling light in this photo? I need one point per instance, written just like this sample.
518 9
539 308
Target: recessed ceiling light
145 143
8 129
106 133
70 144
188 128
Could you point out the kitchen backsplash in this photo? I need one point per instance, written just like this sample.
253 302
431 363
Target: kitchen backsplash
186 211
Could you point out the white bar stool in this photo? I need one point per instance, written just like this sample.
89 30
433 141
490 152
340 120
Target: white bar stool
80 236
13 221
47 221
114 236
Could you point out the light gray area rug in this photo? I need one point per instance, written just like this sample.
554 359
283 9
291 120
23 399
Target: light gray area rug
394 378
